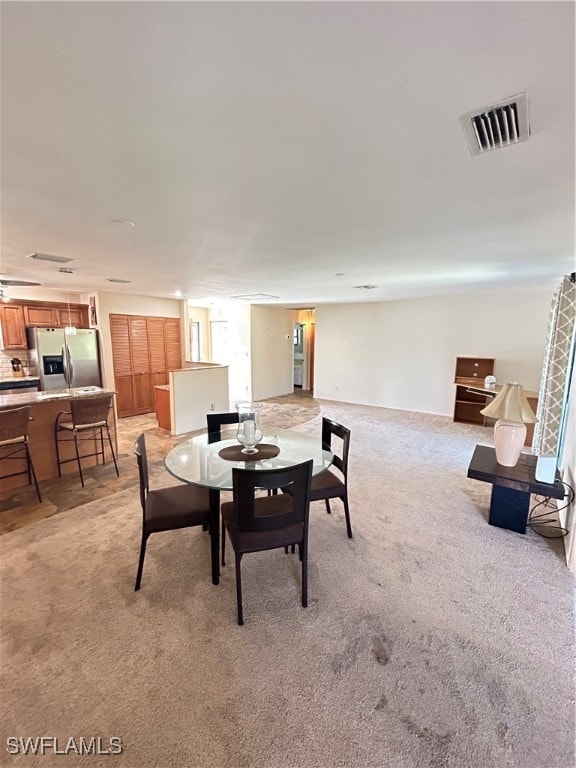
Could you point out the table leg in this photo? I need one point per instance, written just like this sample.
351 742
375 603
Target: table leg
214 527
509 508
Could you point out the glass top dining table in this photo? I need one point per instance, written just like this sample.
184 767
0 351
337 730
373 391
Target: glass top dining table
198 461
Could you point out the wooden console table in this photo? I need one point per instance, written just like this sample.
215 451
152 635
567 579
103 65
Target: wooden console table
511 487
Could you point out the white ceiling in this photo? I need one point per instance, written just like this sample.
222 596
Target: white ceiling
296 149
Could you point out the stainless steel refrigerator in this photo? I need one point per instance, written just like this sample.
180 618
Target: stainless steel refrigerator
65 360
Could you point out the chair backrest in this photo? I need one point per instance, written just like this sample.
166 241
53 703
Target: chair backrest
142 458
90 410
331 429
215 421
14 423
286 509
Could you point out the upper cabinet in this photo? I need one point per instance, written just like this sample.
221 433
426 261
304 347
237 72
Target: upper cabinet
13 330
18 314
56 315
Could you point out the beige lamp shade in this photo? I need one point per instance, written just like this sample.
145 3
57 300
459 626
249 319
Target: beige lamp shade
511 404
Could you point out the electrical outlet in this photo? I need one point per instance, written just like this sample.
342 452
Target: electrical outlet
213 407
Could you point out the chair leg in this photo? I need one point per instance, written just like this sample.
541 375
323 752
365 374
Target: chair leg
347 513
32 472
327 502
304 558
57 449
78 459
141 560
112 451
239 590
102 445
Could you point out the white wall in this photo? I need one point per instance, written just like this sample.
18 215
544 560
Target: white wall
45 294
272 351
401 354
237 314
193 394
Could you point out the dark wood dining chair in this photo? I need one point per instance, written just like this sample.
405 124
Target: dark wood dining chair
329 485
166 509
215 421
214 424
14 444
256 523
86 421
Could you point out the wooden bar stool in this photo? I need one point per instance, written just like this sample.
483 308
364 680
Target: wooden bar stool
14 443
88 418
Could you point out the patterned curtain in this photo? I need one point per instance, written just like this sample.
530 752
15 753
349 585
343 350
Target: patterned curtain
558 359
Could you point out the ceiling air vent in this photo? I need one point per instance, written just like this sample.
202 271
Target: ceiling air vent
499 125
255 297
47 257
117 280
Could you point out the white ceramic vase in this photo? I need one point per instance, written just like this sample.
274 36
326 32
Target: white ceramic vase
509 437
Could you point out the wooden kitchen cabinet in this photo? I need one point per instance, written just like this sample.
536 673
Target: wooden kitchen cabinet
13 328
172 344
19 314
157 351
55 315
40 316
144 349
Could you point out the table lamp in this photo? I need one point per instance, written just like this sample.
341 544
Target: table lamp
511 408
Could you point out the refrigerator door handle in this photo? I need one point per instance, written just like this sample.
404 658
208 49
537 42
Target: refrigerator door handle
69 365
65 364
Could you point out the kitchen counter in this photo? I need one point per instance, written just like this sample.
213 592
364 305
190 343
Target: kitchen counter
31 398
44 410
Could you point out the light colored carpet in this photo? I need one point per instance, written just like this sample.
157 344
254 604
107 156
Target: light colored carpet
432 638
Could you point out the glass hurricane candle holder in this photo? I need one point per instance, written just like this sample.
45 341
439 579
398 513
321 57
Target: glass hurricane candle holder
249 432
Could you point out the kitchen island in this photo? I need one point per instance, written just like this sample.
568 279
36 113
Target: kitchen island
44 409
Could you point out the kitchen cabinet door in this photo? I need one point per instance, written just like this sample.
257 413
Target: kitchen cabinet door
140 357
124 395
41 316
172 344
143 393
122 362
13 330
77 317
156 349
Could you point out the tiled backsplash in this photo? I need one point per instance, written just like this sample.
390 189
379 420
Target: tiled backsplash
6 366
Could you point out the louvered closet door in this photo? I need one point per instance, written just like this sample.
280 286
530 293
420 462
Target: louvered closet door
172 344
120 334
142 382
156 350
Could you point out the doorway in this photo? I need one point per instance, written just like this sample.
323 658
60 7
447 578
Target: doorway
304 337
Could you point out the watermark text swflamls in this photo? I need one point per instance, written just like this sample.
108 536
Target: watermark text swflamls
52 745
